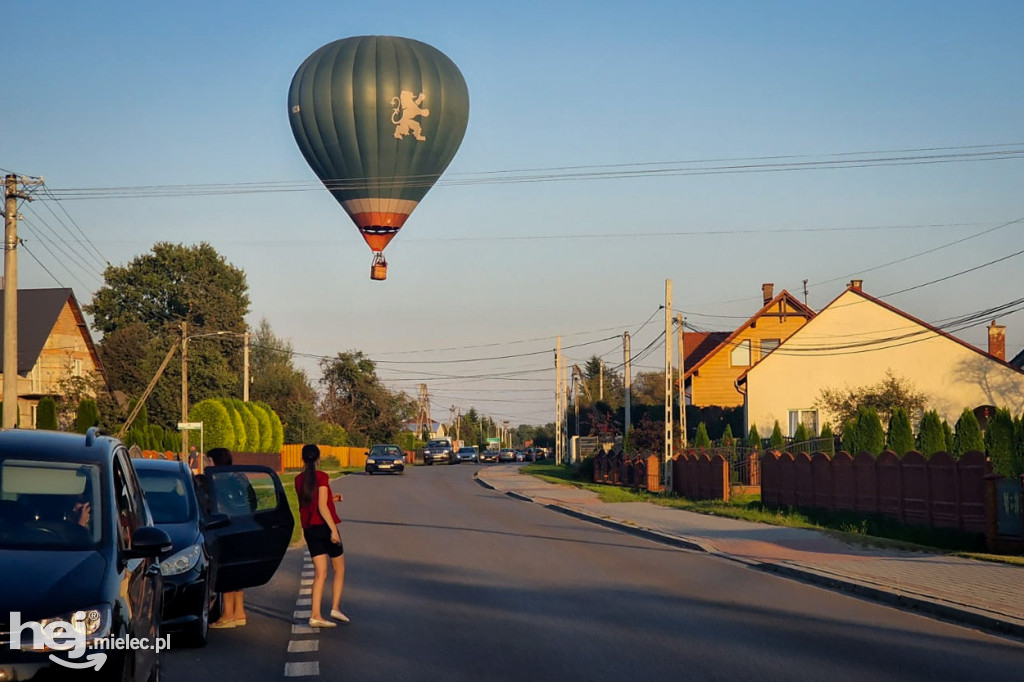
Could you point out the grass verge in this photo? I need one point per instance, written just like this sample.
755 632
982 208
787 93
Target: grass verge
851 527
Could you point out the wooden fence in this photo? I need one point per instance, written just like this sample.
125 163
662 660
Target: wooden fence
698 476
939 491
291 455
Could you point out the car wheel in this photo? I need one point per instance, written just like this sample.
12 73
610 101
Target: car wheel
369 473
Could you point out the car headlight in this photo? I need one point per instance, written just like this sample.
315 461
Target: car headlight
183 561
370 461
92 623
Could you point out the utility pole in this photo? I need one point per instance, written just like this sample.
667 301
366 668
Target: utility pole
805 292
245 372
629 384
668 385
681 337
184 391
451 419
10 385
558 400
600 384
458 424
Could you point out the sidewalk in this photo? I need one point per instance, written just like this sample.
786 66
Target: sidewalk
986 595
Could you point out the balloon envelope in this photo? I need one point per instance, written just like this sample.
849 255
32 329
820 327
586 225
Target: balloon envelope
378 118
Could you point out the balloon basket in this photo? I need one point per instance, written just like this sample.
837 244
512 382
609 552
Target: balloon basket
379 268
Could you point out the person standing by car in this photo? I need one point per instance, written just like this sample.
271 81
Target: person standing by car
320 529
236 497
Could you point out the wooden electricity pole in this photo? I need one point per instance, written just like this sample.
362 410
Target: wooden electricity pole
668 385
13 190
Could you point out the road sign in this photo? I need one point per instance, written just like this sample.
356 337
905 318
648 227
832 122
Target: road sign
494 440
190 426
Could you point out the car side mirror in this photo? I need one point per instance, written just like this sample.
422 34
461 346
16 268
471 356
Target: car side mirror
149 542
215 521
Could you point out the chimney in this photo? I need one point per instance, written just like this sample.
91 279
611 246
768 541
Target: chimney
768 292
997 340
856 284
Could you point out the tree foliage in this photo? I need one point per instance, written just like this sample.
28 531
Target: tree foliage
354 398
801 438
262 418
900 436
891 392
139 310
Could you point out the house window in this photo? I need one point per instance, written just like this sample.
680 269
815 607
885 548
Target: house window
768 345
76 367
740 356
809 418
36 375
34 411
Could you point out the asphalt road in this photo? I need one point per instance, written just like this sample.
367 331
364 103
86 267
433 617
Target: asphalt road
448 580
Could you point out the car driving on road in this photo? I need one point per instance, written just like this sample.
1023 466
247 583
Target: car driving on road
388 458
469 453
439 450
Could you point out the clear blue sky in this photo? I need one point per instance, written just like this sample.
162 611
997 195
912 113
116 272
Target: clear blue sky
112 94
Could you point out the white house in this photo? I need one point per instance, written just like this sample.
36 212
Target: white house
853 342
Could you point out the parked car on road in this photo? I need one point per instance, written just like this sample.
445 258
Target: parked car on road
80 545
470 453
389 458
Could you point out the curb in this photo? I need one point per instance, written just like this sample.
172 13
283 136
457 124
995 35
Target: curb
955 613
951 612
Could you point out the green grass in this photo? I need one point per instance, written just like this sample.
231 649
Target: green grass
869 530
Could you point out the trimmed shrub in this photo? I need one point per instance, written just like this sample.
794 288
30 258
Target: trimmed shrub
754 438
263 422
156 437
87 415
702 440
218 431
237 425
947 432
251 426
727 438
930 436
46 414
900 438
1001 446
276 428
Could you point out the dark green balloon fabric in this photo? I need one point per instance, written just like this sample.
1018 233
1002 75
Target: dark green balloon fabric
358 118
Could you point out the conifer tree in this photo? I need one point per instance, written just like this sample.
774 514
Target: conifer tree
727 437
46 414
967 436
777 441
702 436
930 436
800 439
869 435
754 438
1001 446
87 416
900 438
849 438
828 440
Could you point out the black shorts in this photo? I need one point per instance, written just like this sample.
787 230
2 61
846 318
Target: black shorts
318 539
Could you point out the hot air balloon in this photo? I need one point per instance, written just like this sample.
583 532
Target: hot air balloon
378 119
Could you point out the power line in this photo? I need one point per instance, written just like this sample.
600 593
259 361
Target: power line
45 269
846 160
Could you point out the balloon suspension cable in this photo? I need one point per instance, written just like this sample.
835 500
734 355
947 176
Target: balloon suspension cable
379 268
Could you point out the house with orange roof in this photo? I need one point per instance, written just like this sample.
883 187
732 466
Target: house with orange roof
854 341
714 361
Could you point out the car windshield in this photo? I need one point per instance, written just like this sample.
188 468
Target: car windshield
469 450
49 504
384 450
167 494
438 444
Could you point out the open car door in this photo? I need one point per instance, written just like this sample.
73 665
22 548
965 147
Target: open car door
249 524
